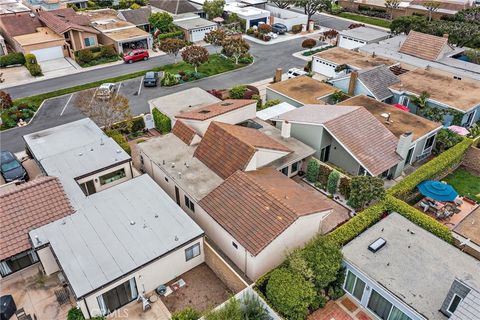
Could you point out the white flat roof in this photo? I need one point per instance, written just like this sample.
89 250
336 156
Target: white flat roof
243 11
418 268
274 111
73 150
365 33
116 231
12 6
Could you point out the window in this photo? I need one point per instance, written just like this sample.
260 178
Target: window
470 118
234 245
379 305
192 252
454 303
404 101
396 314
117 297
90 41
190 205
354 285
295 166
18 262
362 171
88 187
112 176
285 171
429 143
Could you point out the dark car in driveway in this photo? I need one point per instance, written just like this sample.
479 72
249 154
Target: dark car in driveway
279 28
11 168
150 79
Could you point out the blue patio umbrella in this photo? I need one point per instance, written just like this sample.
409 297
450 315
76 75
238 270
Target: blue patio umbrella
437 190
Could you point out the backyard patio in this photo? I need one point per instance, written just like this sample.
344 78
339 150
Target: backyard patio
200 289
37 293
341 309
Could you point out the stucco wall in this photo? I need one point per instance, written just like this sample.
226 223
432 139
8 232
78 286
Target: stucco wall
286 17
272 95
48 261
96 180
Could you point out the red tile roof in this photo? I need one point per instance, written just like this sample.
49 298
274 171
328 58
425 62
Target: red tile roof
226 148
62 20
424 46
216 109
256 207
183 132
18 25
26 207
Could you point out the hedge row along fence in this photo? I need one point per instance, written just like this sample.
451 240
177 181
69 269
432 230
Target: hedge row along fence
175 34
162 122
12 59
431 170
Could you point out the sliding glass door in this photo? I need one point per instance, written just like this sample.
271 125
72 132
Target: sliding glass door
354 286
118 297
384 309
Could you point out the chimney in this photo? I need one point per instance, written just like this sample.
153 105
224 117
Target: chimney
286 128
404 143
353 83
278 75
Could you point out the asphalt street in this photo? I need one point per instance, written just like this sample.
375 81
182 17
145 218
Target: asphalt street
61 110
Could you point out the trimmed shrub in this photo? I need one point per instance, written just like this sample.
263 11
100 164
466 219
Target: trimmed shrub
264 28
231 311
136 124
238 92
162 122
186 314
312 170
253 308
431 170
419 218
120 139
325 259
364 190
323 173
107 51
12 59
85 55
76 314
271 103
168 80
297 28
175 34
32 66
344 187
332 182
290 294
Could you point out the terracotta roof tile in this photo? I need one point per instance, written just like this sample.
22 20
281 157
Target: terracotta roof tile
226 148
424 46
183 132
26 207
216 109
257 206
62 20
17 25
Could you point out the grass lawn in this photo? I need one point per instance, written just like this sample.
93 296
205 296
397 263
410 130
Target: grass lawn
217 64
365 19
465 183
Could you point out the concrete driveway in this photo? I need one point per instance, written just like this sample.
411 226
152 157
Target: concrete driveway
57 67
14 75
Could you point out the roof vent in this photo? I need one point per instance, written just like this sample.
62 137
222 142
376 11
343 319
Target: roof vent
377 245
226 104
132 223
204 111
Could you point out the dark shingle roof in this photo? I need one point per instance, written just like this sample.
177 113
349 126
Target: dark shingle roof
257 206
138 17
377 80
174 6
26 207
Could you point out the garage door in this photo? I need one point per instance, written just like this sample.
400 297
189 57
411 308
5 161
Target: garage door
199 34
48 53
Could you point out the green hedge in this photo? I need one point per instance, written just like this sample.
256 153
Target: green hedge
137 124
419 218
32 65
174 34
12 59
431 170
162 122
120 139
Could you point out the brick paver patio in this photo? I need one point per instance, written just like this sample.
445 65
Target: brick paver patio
342 309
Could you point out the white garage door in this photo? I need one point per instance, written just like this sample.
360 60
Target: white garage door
48 53
199 34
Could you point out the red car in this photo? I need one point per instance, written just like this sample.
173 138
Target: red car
136 55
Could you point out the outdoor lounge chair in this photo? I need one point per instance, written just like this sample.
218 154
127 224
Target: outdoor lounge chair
424 206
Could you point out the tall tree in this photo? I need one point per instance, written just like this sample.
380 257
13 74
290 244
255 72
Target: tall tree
431 7
162 21
5 101
391 5
364 190
172 47
195 55
105 113
406 24
282 4
215 38
235 48
213 8
310 7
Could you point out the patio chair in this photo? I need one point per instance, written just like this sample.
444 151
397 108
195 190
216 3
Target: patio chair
424 206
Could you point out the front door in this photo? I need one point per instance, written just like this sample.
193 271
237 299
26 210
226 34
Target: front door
177 195
325 154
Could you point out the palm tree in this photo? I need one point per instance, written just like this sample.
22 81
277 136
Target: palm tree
420 101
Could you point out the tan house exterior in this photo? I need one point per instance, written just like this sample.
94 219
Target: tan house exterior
42 39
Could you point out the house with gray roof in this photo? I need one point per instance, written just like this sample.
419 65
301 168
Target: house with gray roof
194 27
397 270
358 37
138 17
373 82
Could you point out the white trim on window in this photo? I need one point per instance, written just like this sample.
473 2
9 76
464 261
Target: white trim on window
451 302
428 149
